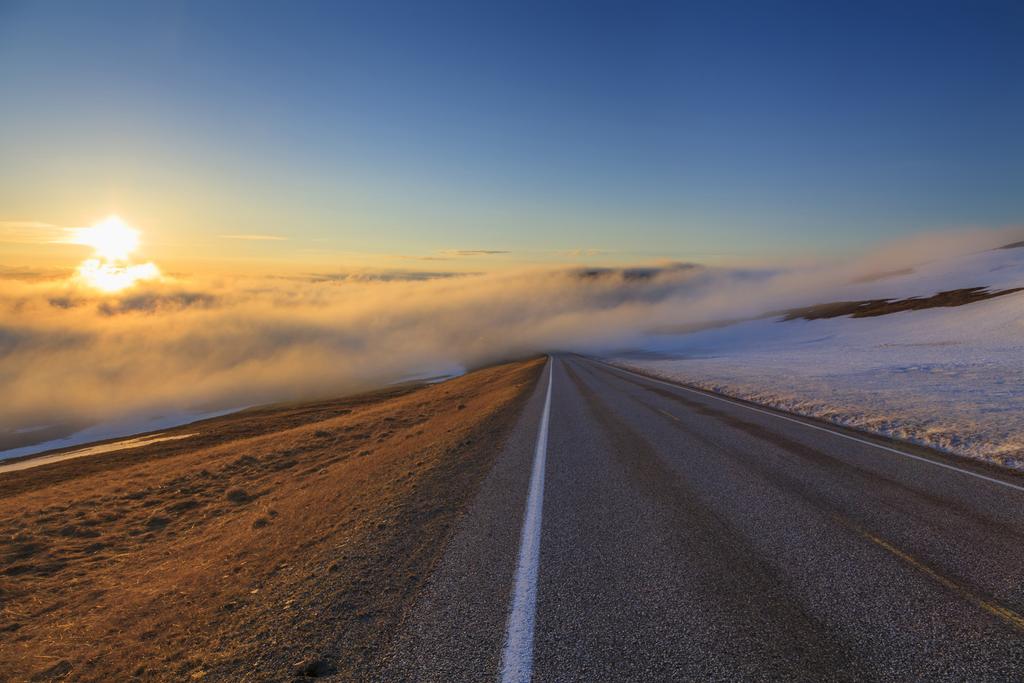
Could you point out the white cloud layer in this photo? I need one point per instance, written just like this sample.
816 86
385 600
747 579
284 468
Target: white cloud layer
69 355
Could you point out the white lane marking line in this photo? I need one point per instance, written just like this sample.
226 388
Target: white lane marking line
819 428
517 658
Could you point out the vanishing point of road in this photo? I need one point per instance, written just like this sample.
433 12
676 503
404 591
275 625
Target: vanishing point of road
635 530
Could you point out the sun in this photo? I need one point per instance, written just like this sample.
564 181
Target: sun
111 238
113 242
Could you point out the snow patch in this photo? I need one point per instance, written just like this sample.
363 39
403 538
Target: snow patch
948 378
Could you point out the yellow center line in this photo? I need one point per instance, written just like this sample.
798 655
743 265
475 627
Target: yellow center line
1004 613
667 414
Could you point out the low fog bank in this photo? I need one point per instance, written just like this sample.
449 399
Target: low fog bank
70 357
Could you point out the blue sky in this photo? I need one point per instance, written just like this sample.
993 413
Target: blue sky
388 131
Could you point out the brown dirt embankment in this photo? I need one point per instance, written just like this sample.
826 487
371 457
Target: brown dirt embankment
276 544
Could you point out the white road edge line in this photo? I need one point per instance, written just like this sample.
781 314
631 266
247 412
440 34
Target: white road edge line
819 428
517 658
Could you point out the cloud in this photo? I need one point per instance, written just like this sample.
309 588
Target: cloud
474 252
69 355
255 238
33 274
383 276
30 232
155 302
451 254
26 224
647 273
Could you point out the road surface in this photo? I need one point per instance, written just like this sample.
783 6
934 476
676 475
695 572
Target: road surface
636 530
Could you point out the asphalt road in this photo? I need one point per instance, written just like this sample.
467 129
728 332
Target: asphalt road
679 536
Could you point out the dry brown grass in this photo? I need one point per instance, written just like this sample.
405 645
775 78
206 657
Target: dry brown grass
236 556
876 307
